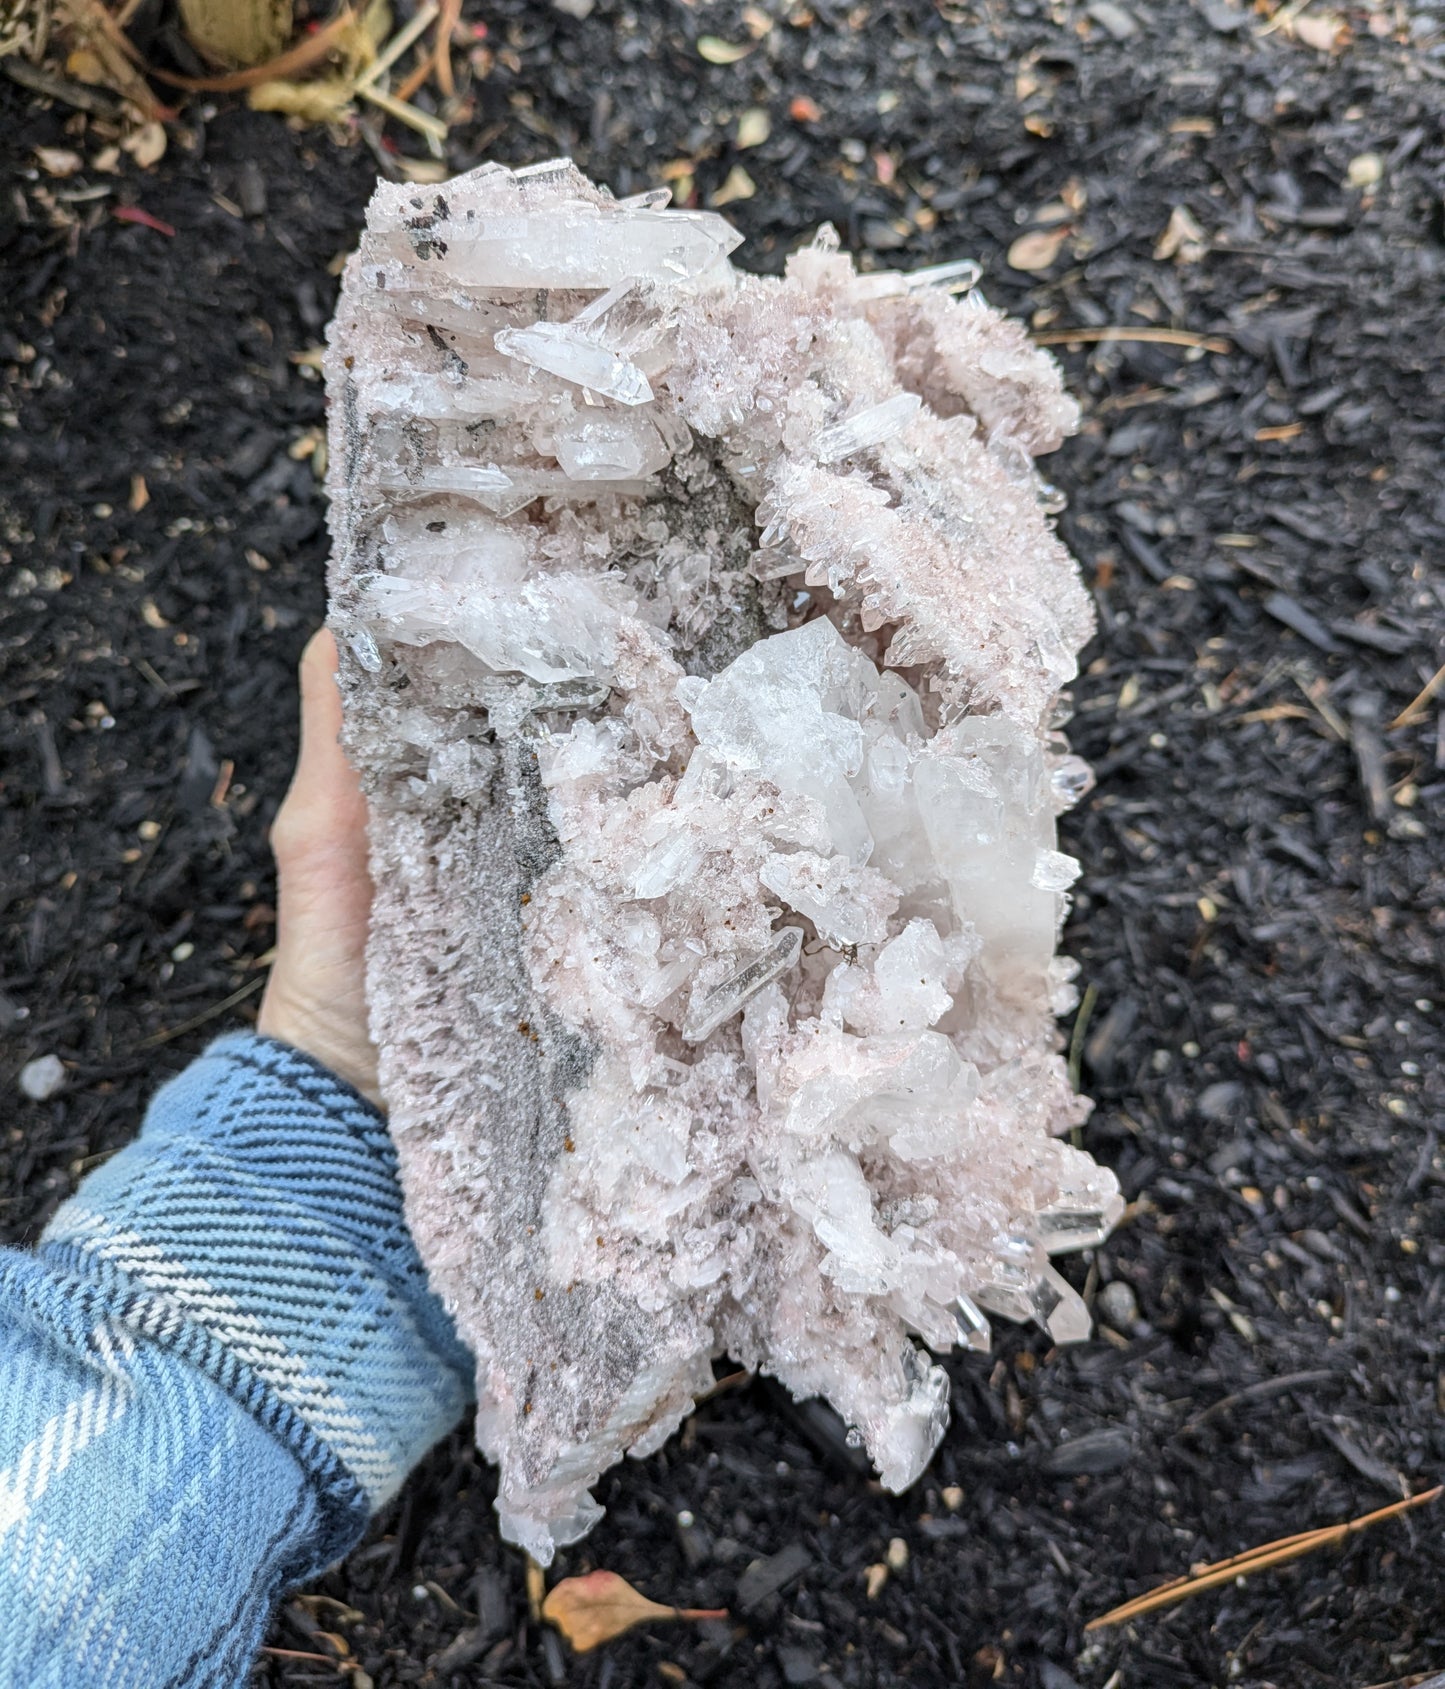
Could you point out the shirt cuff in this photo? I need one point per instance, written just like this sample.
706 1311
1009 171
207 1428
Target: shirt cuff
259 1210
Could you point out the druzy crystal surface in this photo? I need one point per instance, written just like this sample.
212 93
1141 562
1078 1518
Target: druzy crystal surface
704 635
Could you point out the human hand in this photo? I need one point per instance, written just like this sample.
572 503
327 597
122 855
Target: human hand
315 999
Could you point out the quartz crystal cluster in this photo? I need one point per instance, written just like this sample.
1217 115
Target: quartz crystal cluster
704 638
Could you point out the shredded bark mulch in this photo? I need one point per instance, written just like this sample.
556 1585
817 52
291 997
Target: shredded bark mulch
1248 245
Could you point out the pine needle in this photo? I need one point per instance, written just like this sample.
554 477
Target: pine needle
1257 1560
1407 716
1152 336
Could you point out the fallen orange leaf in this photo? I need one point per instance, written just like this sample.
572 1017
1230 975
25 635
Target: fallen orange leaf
593 1609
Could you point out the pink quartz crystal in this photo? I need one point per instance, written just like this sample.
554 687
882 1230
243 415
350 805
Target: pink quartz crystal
704 637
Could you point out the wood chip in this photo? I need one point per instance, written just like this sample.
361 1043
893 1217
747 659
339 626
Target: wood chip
58 161
719 52
1037 250
739 185
754 127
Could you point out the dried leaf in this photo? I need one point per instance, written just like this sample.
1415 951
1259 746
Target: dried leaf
593 1609
58 161
236 32
313 102
739 185
146 145
1183 239
1036 250
719 52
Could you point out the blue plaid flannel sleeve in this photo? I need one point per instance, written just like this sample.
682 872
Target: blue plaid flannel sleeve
219 1361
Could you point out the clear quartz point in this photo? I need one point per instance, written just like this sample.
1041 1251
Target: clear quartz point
973 1327
511 699
872 426
1074 1222
650 199
1071 779
1059 1309
578 247
461 480
1017 1262
364 648
572 355
958 276
1010 1295
724 1000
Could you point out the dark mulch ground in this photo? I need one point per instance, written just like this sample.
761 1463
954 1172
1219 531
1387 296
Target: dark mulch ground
1261 924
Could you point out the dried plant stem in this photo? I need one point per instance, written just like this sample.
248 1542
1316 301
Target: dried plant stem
433 128
284 67
395 48
1257 1560
415 77
451 11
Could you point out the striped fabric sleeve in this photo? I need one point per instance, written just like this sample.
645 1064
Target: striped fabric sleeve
219 1361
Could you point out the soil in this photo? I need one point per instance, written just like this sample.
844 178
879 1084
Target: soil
1260 924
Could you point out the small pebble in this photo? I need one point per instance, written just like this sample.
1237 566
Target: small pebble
897 1555
953 1498
1118 1306
42 1078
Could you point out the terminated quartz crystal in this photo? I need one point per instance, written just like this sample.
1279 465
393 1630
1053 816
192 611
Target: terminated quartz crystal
703 637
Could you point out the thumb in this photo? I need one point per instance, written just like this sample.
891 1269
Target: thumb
324 808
